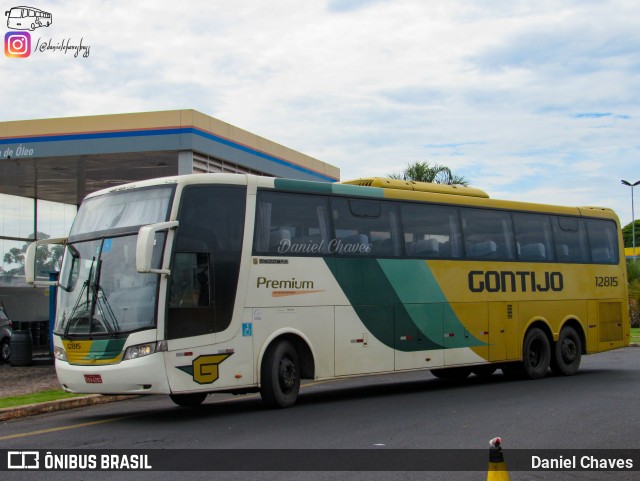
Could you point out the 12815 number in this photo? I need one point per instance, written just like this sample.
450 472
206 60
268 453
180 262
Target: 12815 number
606 281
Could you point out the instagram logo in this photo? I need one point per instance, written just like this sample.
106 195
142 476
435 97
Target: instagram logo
17 44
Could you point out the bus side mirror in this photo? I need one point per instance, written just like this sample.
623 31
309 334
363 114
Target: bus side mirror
144 246
30 260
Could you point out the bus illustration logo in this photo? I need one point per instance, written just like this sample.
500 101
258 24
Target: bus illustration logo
204 369
17 44
27 18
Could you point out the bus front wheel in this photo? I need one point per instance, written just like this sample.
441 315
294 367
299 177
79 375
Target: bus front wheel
189 400
536 354
567 352
280 375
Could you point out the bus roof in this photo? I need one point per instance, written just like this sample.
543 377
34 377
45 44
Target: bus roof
418 186
379 188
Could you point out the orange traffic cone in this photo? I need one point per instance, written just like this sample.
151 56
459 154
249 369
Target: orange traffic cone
497 467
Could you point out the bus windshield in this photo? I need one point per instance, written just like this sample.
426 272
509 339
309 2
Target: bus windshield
101 292
122 211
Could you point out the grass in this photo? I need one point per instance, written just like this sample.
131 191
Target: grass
635 334
40 397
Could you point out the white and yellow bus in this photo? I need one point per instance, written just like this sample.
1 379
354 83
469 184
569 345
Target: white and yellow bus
209 283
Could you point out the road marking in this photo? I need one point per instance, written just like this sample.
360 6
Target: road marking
94 423
62 428
110 420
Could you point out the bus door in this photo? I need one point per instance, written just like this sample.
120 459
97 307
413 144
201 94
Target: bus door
202 287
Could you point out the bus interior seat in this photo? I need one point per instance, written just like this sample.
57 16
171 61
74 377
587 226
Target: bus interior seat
485 249
425 248
276 237
359 240
533 252
445 249
562 252
383 247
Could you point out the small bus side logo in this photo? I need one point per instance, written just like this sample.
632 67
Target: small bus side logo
27 18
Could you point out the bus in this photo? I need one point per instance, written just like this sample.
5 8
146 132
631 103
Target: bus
27 18
212 283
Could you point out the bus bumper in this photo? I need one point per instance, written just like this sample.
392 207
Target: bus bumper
145 375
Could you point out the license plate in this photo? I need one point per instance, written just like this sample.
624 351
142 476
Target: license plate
93 378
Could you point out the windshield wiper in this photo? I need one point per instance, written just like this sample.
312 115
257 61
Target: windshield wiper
91 288
103 304
105 307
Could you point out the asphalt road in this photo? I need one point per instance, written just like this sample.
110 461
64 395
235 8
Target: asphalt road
595 409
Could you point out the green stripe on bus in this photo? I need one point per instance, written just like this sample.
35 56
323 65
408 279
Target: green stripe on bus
415 285
399 302
106 349
327 188
303 186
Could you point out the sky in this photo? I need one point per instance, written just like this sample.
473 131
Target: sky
533 101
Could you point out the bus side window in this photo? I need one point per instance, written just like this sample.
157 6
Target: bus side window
365 227
533 237
431 231
570 239
291 224
603 241
488 234
190 280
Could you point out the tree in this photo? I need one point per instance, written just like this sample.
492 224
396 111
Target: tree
436 174
627 234
48 258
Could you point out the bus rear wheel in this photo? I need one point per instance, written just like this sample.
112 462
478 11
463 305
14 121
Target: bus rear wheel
189 400
280 375
536 354
567 353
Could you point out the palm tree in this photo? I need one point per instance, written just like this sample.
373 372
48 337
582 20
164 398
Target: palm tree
436 174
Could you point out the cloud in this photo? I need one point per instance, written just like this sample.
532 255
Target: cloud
528 100
349 5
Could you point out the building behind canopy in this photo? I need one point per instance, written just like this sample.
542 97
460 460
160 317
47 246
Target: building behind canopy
48 166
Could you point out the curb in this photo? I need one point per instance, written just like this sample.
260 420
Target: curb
16 412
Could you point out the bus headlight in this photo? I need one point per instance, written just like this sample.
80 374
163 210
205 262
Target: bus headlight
59 353
141 350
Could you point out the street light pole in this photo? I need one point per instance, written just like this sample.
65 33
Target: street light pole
633 217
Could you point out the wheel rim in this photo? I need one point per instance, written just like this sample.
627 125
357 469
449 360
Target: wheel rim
535 354
6 350
569 350
287 374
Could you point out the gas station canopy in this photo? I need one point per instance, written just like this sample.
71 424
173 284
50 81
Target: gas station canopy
63 160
